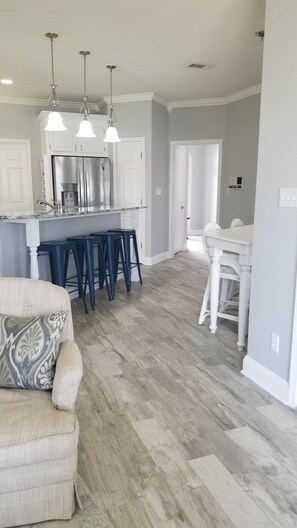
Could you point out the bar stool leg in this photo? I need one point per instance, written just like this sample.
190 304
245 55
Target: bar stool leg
102 271
89 256
110 264
137 257
79 280
125 265
127 262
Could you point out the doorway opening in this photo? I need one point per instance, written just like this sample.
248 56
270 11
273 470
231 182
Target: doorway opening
195 176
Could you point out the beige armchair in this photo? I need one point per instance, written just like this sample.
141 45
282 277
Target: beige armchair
38 429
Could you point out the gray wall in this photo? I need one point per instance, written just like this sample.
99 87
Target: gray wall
275 248
135 120
160 178
240 154
237 124
204 122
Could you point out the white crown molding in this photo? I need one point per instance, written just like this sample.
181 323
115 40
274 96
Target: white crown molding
248 92
190 103
132 98
216 101
43 102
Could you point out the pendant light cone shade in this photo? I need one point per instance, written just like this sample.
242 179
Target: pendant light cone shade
85 127
111 135
55 122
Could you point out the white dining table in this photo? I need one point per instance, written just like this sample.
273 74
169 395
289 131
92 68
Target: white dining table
237 240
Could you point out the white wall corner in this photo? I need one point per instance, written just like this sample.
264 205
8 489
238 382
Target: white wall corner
266 379
150 261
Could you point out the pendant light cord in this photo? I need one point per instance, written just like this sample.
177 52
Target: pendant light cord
85 76
84 110
52 56
112 118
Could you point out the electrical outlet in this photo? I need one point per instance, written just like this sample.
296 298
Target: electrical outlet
274 343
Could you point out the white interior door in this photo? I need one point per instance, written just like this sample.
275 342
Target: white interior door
129 184
16 194
180 200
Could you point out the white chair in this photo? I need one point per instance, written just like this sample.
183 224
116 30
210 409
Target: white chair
229 273
236 222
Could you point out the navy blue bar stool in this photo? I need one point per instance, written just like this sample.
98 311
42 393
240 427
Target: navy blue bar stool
127 235
59 251
85 249
113 248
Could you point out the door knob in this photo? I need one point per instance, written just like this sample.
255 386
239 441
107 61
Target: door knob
182 207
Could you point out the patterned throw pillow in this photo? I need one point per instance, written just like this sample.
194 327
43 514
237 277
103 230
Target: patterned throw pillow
29 347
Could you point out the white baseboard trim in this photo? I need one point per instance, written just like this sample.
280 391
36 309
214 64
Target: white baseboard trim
266 379
150 261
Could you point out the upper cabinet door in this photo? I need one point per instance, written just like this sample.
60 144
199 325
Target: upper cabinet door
66 142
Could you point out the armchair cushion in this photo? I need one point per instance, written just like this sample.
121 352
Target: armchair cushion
28 350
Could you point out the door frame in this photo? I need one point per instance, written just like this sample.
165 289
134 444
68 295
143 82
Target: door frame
187 143
141 212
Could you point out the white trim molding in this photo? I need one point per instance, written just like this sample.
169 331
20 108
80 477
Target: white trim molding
150 261
266 379
216 101
131 98
43 102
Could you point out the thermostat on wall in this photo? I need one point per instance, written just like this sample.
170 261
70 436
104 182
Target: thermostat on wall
235 182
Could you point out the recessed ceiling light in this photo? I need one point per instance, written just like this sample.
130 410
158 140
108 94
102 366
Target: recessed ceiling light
6 81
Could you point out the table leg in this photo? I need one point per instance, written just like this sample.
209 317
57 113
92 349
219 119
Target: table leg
33 241
214 289
244 296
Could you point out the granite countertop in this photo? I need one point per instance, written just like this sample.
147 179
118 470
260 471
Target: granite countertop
64 212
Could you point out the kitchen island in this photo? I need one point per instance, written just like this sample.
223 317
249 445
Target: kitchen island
23 230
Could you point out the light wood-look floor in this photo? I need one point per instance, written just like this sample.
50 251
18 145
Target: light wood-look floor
172 435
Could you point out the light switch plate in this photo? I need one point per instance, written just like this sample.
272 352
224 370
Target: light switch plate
287 197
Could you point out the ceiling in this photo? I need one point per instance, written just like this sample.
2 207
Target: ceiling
151 41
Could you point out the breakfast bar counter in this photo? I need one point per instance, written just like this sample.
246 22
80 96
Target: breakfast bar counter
27 229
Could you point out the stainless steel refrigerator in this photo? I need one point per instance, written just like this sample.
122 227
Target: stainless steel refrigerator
81 181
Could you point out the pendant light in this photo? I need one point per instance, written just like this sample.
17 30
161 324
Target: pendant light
111 135
85 127
54 123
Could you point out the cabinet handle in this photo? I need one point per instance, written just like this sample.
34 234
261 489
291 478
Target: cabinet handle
81 148
75 148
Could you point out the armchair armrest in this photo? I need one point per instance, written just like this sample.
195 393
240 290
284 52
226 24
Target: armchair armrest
68 374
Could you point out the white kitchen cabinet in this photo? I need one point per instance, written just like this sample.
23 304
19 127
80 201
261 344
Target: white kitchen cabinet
66 142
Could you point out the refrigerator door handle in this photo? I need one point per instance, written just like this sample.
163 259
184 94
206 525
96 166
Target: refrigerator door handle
81 185
86 184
